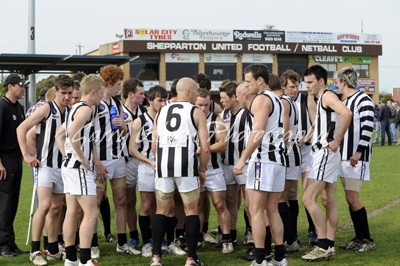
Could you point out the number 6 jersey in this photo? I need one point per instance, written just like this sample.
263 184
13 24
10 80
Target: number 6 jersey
177 141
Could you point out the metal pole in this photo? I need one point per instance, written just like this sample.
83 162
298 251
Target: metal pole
31 50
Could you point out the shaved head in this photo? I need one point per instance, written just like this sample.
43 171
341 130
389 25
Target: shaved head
242 88
185 83
187 90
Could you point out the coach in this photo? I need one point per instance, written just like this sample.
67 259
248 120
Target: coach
11 115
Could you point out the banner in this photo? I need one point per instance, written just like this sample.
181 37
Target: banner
145 34
333 37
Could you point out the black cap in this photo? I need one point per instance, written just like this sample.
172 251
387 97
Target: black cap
15 79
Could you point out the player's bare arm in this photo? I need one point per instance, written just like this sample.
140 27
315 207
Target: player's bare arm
261 108
220 136
81 116
134 141
39 115
331 100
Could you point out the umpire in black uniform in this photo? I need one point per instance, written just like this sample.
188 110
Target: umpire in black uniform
11 115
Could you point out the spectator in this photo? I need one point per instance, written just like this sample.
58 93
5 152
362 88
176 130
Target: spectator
392 119
377 123
11 115
39 103
384 115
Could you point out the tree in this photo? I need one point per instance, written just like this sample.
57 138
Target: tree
269 27
47 82
386 96
2 91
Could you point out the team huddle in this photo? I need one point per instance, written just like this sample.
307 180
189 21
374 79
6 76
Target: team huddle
183 150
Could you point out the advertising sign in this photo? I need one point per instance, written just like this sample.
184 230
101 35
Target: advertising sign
247 35
257 58
334 59
366 85
147 84
274 36
220 58
182 58
331 85
309 37
145 34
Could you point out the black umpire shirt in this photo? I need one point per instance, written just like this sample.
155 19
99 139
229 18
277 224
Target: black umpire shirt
11 116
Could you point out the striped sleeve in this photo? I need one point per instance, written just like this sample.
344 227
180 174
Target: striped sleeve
366 111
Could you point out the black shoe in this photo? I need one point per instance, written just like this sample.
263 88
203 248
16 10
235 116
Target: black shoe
6 252
249 256
14 248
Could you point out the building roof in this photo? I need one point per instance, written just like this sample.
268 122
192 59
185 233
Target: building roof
48 63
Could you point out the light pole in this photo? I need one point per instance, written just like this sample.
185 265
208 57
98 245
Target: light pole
31 50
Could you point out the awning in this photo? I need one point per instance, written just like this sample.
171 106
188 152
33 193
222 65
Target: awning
27 64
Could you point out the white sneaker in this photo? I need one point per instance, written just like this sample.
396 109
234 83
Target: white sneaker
318 254
57 256
147 250
217 239
273 262
175 249
71 263
192 262
37 258
227 247
248 238
128 250
254 263
91 262
61 247
208 238
95 252
156 261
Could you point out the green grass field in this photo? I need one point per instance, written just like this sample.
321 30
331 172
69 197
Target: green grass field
384 225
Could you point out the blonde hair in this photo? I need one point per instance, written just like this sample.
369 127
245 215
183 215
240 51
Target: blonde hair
91 83
50 94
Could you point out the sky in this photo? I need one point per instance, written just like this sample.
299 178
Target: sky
62 26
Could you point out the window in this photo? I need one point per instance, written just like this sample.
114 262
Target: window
179 70
221 71
331 68
244 65
147 67
362 70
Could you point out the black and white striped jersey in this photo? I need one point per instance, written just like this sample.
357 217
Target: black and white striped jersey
108 142
293 153
326 125
271 149
359 135
212 106
177 141
236 127
86 137
128 118
304 116
145 136
47 152
215 160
